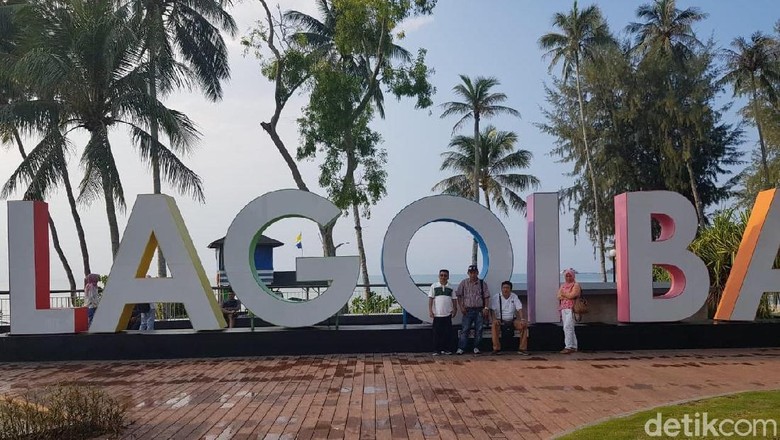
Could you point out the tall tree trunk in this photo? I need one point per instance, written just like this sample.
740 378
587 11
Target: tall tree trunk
55 238
328 247
361 250
596 202
487 200
111 214
154 129
695 192
108 194
475 183
764 165
76 219
281 94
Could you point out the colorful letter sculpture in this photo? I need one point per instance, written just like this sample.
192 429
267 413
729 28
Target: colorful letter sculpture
543 257
486 228
156 221
752 273
28 248
637 252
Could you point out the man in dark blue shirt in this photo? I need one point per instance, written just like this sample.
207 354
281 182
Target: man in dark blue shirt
230 309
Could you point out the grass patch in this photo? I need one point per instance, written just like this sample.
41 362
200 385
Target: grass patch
751 405
60 412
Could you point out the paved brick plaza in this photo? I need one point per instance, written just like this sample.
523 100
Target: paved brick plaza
401 396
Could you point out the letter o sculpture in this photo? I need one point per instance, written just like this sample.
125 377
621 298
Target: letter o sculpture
487 229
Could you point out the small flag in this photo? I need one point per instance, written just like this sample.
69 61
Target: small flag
298 242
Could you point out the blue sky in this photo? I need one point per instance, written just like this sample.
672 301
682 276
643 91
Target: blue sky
238 161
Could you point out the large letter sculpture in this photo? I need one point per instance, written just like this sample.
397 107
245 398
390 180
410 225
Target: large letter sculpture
240 243
28 261
637 252
752 274
543 257
484 226
156 221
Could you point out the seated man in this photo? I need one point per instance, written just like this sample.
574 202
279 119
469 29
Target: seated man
507 311
230 309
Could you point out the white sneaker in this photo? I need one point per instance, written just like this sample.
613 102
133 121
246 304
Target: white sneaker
476 350
446 353
460 351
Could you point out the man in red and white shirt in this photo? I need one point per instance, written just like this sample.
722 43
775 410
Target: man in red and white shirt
474 300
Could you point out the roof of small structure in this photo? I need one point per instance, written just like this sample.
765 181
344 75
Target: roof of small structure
263 242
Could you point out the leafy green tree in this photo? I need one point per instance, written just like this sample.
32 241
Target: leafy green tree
754 70
751 179
498 178
183 46
289 66
477 101
355 54
84 57
666 41
645 143
582 35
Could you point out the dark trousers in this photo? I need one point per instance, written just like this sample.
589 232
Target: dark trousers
442 333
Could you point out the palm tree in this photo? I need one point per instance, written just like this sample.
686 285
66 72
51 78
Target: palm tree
11 135
51 170
317 36
754 68
85 55
667 32
364 63
666 29
497 178
477 102
582 35
191 30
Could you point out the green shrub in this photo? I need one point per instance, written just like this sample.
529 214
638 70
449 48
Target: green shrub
374 304
717 246
61 412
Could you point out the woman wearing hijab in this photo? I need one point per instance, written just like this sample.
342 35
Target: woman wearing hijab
568 292
91 295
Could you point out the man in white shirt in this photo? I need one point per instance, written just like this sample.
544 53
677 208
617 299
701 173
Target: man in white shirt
442 307
506 310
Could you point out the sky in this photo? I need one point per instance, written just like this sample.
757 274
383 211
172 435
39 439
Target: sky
238 162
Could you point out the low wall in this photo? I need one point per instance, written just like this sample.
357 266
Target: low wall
602 298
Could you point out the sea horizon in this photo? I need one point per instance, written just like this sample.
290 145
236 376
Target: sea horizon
58 284
516 278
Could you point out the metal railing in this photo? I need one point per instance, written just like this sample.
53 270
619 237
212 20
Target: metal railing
380 301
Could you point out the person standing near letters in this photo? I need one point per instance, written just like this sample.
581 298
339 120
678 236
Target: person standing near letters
568 292
473 298
442 306
507 311
91 295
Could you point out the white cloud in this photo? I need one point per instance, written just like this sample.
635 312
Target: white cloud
412 24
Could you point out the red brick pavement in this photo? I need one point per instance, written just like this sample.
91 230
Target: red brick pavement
400 396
